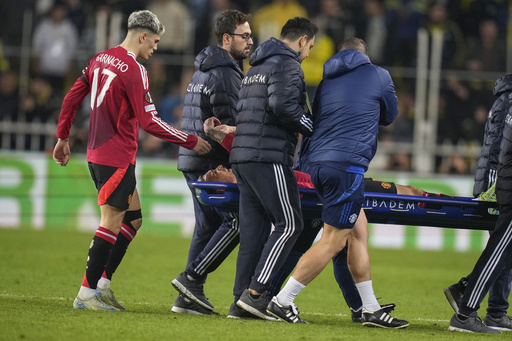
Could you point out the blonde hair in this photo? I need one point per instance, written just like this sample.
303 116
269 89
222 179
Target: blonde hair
145 20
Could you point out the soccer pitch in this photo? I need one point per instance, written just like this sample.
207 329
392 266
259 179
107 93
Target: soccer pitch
41 272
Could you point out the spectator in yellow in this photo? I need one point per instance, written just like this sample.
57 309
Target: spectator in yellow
313 66
268 20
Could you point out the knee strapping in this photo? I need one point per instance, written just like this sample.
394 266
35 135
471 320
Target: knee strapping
131 216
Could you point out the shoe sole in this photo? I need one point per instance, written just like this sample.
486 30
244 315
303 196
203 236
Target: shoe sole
255 312
451 300
500 328
276 316
82 306
79 305
184 291
107 300
387 308
179 310
242 317
455 329
279 319
114 304
371 324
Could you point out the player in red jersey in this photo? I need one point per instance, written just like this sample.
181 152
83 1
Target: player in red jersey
120 101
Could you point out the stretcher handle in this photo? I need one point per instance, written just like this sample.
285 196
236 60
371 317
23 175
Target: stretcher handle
457 201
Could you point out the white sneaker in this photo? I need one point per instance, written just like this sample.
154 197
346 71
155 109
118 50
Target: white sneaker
93 303
107 296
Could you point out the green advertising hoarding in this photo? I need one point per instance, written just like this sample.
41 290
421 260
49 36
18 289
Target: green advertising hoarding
36 193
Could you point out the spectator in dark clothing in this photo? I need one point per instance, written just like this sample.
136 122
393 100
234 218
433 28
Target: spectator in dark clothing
9 99
8 96
335 21
487 51
453 41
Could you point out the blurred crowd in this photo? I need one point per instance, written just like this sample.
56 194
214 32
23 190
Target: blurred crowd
65 34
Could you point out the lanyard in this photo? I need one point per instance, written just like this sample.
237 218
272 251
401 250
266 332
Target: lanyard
308 104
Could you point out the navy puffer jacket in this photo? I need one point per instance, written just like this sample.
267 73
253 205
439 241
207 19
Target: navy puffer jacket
487 165
213 91
272 108
353 98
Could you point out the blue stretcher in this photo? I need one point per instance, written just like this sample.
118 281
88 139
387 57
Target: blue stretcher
458 212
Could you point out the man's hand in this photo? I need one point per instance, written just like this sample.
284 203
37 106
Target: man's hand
216 131
61 152
226 129
202 147
210 124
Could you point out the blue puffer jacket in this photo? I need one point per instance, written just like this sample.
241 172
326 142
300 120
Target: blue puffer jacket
272 109
353 98
213 91
487 165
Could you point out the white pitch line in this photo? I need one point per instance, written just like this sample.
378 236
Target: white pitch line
226 307
39 297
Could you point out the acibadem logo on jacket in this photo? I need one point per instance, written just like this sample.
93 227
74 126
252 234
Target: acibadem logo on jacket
199 88
257 78
508 120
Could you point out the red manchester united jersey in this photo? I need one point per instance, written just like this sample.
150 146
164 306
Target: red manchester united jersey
120 101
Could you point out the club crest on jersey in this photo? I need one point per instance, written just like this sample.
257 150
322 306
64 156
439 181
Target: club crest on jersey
385 185
147 97
352 219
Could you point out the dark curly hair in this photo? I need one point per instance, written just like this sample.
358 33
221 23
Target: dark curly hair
227 22
298 27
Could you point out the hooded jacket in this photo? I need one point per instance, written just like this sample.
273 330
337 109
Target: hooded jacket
213 91
353 98
504 181
487 165
272 107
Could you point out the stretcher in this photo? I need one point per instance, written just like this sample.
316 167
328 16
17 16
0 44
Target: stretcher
383 208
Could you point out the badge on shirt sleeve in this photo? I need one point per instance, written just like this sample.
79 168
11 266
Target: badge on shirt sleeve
147 97
385 185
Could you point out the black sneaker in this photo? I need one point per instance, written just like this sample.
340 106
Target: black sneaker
288 314
184 305
500 323
357 315
473 324
382 319
454 295
388 307
235 312
256 306
191 289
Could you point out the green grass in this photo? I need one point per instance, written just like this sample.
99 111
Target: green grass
40 274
